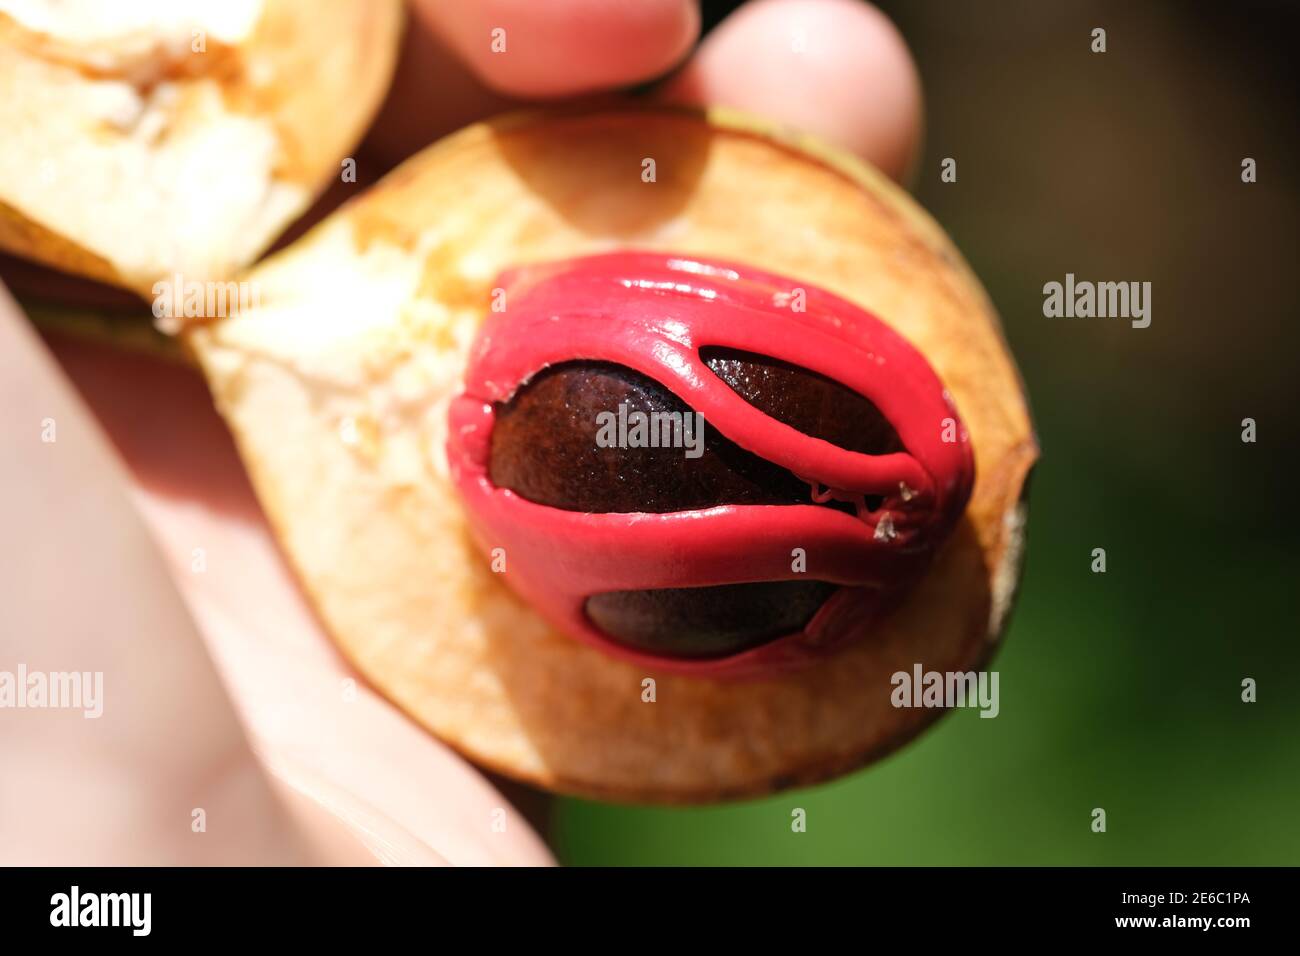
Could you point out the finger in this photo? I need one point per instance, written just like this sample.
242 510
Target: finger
314 723
835 68
142 734
433 93
527 49
448 75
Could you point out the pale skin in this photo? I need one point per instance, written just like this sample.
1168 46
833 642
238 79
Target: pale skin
132 543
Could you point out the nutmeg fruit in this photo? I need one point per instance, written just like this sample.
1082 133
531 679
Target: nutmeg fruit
151 139
361 390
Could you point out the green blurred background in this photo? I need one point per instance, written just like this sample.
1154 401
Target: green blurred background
1119 690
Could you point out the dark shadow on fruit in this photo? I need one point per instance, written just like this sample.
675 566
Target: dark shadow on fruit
598 178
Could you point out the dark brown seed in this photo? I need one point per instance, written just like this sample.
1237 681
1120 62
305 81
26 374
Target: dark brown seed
707 622
544 449
544 440
806 401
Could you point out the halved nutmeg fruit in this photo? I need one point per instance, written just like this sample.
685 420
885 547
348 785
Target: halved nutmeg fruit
158 138
438 400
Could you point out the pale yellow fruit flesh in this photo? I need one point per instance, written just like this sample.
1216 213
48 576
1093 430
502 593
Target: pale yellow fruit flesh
157 139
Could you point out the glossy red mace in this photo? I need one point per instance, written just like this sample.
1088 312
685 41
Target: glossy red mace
699 466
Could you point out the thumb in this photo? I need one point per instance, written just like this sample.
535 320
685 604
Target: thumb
116 735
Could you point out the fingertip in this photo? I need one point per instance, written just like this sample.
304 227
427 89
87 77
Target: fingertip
838 69
564 47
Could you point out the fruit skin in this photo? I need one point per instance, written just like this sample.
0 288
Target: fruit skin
370 317
654 313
